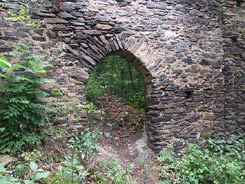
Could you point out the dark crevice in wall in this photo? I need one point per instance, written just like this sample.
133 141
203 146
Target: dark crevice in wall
189 94
239 2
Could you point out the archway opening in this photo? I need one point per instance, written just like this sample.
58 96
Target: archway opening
117 89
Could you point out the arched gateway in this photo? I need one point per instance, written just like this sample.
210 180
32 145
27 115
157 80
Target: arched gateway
176 45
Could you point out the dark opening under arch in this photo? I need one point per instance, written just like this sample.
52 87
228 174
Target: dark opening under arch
137 86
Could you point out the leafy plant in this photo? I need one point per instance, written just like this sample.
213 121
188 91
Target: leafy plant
36 174
71 172
93 112
22 116
34 155
209 162
22 16
82 146
113 173
4 63
94 89
85 143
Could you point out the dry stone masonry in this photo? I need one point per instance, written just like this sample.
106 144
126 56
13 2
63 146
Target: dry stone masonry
191 54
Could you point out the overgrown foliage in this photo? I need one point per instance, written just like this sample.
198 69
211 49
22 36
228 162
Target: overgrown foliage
22 115
36 174
112 173
116 76
82 147
211 161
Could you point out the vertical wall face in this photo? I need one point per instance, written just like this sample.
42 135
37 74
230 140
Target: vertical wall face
234 66
176 45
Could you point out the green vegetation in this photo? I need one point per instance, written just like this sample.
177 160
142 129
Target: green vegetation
82 147
22 16
116 76
22 116
111 172
36 174
71 158
93 112
211 161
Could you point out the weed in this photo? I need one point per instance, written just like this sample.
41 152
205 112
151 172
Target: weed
36 174
211 161
114 173
84 143
93 112
22 116
71 172
22 16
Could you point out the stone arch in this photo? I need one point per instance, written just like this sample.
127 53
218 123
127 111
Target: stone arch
100 47
195 80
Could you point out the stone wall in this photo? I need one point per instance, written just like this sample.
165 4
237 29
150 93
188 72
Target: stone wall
194 80
234 66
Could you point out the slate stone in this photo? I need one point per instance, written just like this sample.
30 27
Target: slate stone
39 31
171 87
42 14
178 145
188 61
199 20
155 65
153 5
11 6
204 62
177 71
22 34
68 6
165 118
233 35
16 34
179 7
233 50
81 36
104 18
153 113
119 28
194 118
56 21
39 38
3 23
66 15
17 24
80 5
77 23
11 34
79 78
5 49
180 46
83 99
51 34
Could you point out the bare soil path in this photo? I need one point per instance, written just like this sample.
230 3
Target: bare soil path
126 141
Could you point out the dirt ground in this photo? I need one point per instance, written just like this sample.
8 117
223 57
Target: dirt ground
126 140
